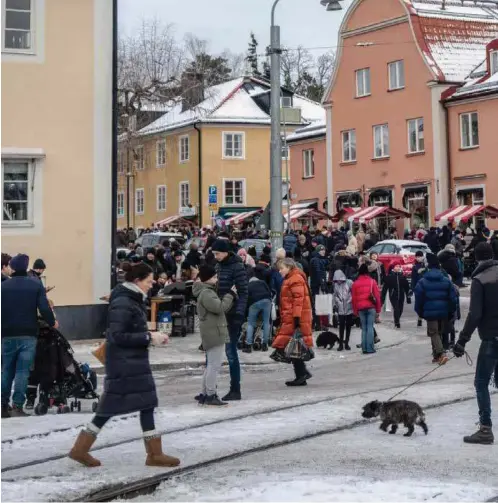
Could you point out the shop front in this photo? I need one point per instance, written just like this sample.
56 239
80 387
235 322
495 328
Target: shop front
416 202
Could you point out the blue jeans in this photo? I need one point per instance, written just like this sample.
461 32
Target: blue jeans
18 355
233 355
262 306
367 318
487 363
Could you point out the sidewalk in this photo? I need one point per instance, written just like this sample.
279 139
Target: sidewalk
183 353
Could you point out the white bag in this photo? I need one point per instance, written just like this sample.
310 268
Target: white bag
273 310
323 304
387 306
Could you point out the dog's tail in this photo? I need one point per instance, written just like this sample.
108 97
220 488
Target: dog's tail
421 421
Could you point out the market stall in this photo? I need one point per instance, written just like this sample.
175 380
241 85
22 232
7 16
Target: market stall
304 213
176 220
466 213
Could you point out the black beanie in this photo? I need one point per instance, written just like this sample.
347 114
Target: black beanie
432 261
483 251
265 258
206 272
419 253
220 245
39 264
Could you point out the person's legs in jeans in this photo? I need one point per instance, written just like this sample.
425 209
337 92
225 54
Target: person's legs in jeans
9 358
266 310
215 360
252 320
362 316
487 363
233 356
369 326
25 358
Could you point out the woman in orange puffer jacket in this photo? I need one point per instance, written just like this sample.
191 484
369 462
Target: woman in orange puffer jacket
295 312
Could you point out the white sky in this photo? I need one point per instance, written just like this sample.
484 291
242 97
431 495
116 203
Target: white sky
228 23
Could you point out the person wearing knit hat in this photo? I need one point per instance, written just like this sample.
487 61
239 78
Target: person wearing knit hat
22 300
214 332
482 316
221 246
436 301
38 269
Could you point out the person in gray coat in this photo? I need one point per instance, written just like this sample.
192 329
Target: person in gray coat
343 306
214 330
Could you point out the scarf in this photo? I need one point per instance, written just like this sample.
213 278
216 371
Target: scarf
134 288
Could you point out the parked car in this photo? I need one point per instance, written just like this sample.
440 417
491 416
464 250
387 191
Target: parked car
259 244
156 238
201 242
398 251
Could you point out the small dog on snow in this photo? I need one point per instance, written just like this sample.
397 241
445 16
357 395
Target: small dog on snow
396 412
326 339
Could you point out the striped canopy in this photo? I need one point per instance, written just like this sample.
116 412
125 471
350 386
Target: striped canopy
364 215
466 212
240 217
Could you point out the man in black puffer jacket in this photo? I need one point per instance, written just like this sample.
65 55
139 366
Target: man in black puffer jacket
483 315
231 272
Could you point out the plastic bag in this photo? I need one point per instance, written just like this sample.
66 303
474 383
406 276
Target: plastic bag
387 306
323 304
296 349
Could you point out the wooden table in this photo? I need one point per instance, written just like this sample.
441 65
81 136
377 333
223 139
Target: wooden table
156 301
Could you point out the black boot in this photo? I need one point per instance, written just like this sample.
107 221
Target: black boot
201 397
341 344
214 401
264 347
419 323
484 435
298 381
247 348
347 347
232 396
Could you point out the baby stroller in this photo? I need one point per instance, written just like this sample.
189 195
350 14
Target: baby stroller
59 376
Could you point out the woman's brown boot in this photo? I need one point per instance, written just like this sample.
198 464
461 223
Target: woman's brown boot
81 448
155 456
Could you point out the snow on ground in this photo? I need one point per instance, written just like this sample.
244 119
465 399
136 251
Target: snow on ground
125 463
363 464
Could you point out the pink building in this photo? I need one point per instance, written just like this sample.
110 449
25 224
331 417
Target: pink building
392 139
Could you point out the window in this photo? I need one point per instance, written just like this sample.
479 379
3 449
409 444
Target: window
18 26
308 164
139 201
285 150
493 60
396 75
161 198
121 204
469 130
388 249
349 145
416 136
139 157
160 153
184 194
184 148
381 141
286 101
233 191
233 145
17 193
363 82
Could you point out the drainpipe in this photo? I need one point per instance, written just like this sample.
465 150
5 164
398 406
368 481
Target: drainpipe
114 144
448 155
199 149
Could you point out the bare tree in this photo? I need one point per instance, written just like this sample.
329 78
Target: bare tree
236 61
324 67
296 63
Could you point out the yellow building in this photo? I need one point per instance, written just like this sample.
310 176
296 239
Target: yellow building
222 140
56 149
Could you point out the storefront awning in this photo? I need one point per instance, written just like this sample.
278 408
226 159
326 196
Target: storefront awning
297 212
347 211
240 217
366 214
175 219
466 212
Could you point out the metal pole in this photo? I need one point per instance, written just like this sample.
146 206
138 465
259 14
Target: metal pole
114 146
128 187
276 216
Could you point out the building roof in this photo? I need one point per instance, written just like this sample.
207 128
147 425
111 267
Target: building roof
232 101
315 129
452 39
488 85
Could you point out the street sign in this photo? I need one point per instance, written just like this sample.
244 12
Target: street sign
213 195
213 207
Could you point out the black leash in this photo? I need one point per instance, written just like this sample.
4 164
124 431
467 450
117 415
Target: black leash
468 360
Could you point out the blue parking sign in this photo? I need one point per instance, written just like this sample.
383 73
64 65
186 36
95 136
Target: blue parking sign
213 194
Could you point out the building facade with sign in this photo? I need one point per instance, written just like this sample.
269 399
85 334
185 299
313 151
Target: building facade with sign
56 150
219 138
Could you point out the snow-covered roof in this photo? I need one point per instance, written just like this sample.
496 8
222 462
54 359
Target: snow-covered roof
453 39
230 102
317 128
483 86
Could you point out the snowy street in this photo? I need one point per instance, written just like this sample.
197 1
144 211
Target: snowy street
347 460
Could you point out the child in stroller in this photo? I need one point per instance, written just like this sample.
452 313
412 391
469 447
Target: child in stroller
59 376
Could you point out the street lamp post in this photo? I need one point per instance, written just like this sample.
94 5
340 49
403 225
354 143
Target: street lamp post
276 216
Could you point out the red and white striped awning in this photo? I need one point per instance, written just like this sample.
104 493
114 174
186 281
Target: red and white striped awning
347 211
173 219
466 212
240 217
367 214
305 213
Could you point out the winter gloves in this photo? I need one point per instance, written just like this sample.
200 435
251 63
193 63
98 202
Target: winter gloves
459 348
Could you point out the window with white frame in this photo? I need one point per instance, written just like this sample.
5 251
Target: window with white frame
18 24
233 145
362 82
17 176
139 157
469 130
381 141
139 201
161 198
416 141
233 191
349 145
121 204
396 75
493 62
308 163
184 148
184 194
161 153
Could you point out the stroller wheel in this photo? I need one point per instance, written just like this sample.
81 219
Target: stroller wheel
94 406
41 409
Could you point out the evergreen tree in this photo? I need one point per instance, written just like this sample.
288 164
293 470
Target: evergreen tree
252 55
214 70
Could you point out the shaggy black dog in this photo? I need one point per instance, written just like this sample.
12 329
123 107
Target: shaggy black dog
327 339
397 412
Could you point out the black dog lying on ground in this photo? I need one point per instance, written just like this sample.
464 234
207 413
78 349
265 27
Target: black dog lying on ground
397 412
326 339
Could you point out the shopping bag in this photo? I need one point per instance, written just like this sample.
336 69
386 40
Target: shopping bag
296 349
100 352
323 304
273 310
387 305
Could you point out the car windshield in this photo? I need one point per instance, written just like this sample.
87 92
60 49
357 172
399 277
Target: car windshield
259 244
413 249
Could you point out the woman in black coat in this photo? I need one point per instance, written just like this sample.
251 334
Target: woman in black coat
129 385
